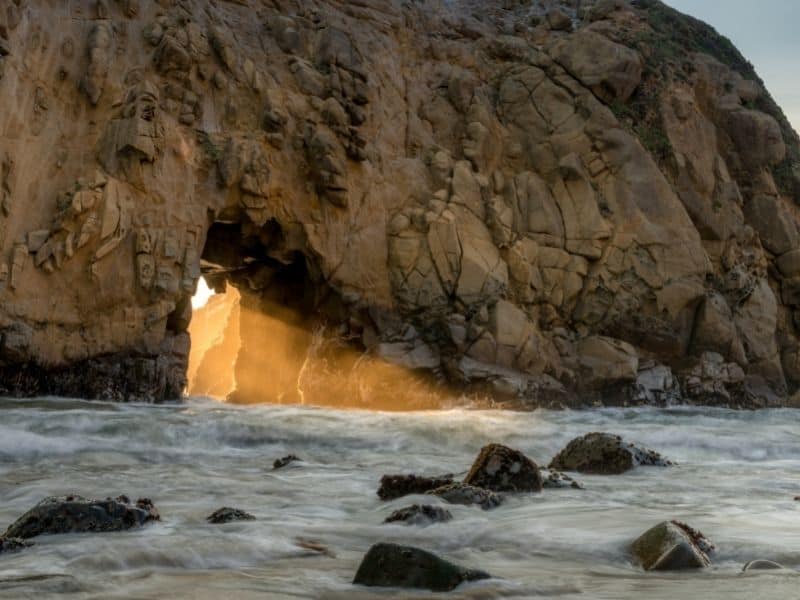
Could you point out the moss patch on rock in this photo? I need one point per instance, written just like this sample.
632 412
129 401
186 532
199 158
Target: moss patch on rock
666 47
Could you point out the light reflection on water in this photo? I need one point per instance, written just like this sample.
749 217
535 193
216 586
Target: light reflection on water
736 480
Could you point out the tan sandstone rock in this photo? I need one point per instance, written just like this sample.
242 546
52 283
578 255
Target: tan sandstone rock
515 199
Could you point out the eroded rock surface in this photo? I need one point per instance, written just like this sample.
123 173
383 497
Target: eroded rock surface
503 469
553 208
391 565
75 514
605 454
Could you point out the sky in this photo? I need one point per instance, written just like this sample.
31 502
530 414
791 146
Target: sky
766 34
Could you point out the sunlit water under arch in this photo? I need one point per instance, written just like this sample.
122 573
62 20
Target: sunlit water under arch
736 480
202 295
247 352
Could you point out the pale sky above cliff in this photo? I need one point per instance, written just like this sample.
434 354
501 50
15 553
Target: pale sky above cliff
766 34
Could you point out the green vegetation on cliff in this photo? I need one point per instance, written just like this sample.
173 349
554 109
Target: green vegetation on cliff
666 47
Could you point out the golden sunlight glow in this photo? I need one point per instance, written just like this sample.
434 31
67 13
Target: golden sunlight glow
250 350
285 360
214 331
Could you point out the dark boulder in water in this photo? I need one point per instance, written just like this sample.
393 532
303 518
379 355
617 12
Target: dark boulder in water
671 546
604 454
285 461
75 514
397 486
462 493
503 469
420 514
391 565
226 514
13 544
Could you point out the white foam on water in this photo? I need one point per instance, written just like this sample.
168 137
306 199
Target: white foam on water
736 477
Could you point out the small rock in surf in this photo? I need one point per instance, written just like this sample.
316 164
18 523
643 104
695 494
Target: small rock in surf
672 546
462 493
226 514
75 514
762 565
503 469
605 454
391 565
285 461
557 480
420 514
314 546
397 486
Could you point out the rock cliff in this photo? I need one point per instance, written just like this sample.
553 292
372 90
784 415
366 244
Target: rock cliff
554 203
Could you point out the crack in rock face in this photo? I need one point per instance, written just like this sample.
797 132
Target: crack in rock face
518 201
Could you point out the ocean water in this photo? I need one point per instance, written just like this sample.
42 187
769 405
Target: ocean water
736 479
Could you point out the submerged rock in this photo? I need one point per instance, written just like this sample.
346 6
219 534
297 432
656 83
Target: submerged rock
763 565
672 545
397 486
420 514
13 544
75 514
556 479
604 454
462 493
285 461
503 469
227 514
391 565
314 546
